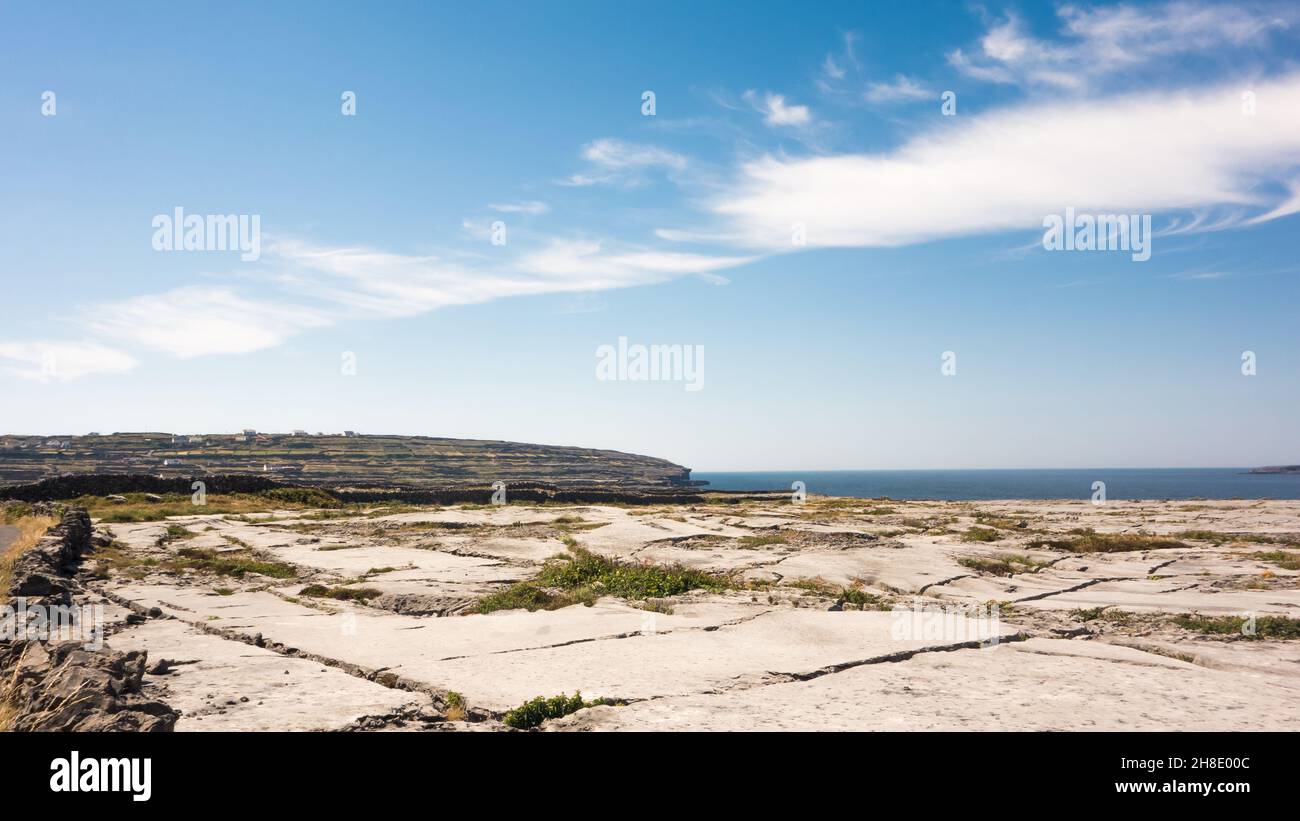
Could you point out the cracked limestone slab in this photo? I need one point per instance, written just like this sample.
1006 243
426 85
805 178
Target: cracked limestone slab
915 565
356 561
1040 684
281 693
517 551
1173 595
1022 587
772 645
416 647
625 536
717 558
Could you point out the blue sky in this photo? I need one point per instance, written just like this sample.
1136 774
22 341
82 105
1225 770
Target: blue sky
921 232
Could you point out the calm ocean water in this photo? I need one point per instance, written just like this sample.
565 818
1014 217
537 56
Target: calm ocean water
1125 483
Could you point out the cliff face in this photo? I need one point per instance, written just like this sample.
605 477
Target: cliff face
407 461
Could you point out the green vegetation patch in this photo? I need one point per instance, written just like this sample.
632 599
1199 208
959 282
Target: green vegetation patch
582 568
320 591
1087 541
1285 559
138 508
1005 564
1265 627
581 577
1218 537
531 714
980 534
236 564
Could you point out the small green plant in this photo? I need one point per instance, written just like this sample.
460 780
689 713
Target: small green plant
454 707
177 532
980 534
531 714
859 599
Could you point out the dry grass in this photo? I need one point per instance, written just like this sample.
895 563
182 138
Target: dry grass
30 531
8 709
455 709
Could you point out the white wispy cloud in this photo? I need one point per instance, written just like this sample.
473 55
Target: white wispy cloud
835 67
586 265
617 154
615 161
313 286
51 361
1104 40
198 320
776 111
1007 169
902 88
831 68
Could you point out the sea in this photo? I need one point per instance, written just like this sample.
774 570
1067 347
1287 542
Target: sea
1073 483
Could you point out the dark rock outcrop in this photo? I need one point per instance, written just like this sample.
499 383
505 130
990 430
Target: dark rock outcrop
62 686
69 685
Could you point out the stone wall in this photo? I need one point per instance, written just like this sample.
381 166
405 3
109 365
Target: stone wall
53 685
103 484
70 486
